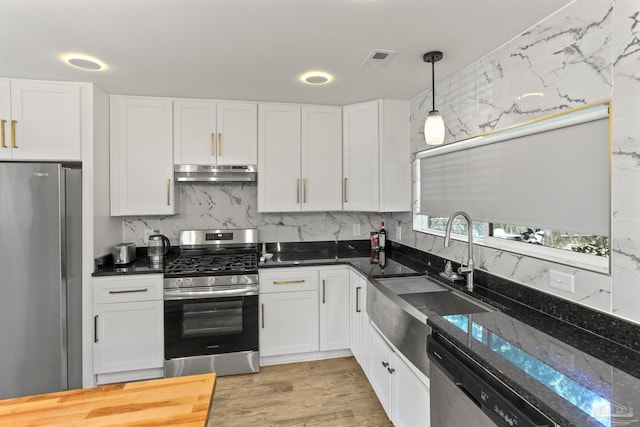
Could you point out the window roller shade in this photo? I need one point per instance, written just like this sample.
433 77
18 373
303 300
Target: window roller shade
553 175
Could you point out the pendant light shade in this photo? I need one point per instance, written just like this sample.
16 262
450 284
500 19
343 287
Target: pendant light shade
434 125
434 128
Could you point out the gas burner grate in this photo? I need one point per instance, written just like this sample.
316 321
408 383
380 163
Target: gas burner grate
213 263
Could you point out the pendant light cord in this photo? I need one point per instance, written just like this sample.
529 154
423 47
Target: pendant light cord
433 85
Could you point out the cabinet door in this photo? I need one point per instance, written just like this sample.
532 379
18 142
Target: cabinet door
141 156
395 157
237 139
47 120
360 157
279 158
334 309
380 370
411 398
357 309
288 323
194 127
321 158
5 119
128 336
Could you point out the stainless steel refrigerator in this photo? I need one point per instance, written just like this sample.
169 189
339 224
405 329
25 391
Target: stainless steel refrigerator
40 278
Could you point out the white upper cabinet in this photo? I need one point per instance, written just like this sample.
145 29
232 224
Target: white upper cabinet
321 158
278 158
142 156
299 158
39 120
210 132
194 132
237 133
376 157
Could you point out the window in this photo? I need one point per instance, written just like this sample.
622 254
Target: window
488 176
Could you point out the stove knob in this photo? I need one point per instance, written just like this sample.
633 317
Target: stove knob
234 279
212 281
188 282
178 283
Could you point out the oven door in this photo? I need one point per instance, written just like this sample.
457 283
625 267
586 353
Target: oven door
196 327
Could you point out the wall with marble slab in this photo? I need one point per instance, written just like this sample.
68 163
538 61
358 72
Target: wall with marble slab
234 205
587 52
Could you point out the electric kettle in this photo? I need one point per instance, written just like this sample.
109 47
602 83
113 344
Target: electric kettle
159 247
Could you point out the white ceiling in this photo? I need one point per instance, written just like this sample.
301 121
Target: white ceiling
256 49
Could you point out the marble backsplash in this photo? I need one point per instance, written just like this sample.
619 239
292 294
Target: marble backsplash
234 205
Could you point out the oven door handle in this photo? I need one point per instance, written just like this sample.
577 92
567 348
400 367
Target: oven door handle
181 294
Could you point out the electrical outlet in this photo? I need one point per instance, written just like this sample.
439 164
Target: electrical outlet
149 232
399 232
356 229
561 281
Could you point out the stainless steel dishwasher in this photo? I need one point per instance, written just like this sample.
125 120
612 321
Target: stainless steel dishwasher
463 393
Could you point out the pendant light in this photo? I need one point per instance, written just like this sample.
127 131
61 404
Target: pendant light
434 125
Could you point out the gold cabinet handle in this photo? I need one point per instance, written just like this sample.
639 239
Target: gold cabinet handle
213 144
219 144
169 192
304 190
287 282
345 190
298 190
2 144
13 133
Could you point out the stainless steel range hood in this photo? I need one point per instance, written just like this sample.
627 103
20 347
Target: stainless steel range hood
214 173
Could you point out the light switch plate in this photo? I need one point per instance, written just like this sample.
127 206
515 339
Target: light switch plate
399 232
356 229
561 281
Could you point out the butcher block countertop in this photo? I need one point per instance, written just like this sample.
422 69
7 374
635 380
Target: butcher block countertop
180 401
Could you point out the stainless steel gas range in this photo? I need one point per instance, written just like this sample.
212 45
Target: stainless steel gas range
211 304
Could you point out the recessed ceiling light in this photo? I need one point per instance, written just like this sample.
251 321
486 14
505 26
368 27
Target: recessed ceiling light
316 78
84 62
527 95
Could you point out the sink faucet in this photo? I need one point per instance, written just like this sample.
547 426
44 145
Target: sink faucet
468 270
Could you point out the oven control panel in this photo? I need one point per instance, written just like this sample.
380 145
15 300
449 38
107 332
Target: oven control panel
210 281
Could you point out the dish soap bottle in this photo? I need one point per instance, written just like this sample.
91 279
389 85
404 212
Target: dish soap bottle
382 237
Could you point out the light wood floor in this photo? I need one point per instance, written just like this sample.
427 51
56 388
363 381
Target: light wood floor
332 392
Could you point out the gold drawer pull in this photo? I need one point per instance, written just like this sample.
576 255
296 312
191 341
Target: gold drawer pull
2 144
287 282
213 144
219 144
13 133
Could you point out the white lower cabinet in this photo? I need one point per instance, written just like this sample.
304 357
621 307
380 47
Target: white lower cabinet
304 310
128 328
334 309
402 390
289 323
359 319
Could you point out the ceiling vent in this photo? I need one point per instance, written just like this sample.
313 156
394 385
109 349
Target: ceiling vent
378 58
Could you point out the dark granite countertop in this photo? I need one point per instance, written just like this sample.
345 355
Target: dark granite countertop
354 253
571 386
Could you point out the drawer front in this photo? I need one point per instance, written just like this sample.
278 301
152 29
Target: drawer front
288 279
112 289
